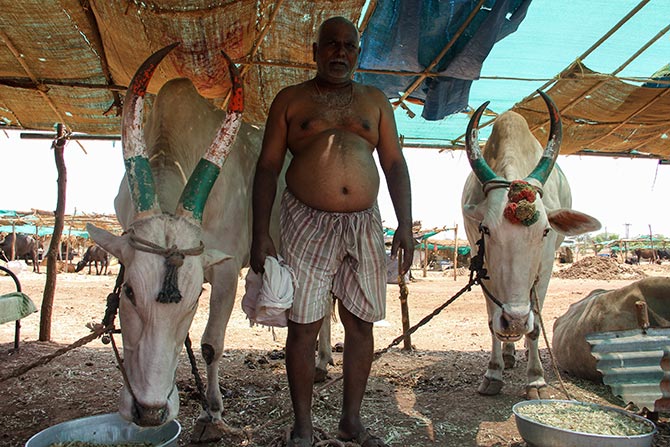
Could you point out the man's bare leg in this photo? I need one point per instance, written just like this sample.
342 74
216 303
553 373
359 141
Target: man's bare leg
300 365
357 362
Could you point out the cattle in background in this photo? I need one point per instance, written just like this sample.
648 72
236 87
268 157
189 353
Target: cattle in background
519 225
565 255
94 255
176 238
663 254
646 253
604 311
20 246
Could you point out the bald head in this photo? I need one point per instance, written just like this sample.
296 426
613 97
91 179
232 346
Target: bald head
336 21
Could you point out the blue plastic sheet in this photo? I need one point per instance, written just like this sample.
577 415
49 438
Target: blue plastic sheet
408 36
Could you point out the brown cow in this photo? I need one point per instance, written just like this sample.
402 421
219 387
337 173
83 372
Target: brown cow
604 311
646 253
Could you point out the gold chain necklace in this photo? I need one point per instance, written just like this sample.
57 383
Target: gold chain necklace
334 98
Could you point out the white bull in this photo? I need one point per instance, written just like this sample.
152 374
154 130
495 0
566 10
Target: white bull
172 242
521 224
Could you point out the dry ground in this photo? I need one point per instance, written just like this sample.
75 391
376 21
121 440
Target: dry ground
423 397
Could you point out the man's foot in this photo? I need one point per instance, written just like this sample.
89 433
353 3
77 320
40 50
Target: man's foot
365 439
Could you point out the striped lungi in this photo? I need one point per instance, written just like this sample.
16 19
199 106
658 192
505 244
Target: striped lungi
339 252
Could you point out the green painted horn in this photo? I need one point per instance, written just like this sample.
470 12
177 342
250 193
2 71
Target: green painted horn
553 147
479 166
201 181
138 171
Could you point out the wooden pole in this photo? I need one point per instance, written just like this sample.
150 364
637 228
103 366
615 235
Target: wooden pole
13 251
425 258
54 247
404 308
455 261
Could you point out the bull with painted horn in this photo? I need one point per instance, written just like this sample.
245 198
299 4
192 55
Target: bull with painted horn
181 221
517 210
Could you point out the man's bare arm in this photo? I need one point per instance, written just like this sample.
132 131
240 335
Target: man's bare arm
268 168
397 178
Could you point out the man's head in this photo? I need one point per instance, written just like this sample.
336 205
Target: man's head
336 50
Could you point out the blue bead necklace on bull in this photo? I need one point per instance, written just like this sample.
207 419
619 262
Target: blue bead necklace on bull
332 126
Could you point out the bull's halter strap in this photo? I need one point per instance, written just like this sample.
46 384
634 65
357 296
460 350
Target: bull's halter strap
174 258
477 267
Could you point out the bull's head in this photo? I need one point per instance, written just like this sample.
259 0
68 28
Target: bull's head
520 217
163 256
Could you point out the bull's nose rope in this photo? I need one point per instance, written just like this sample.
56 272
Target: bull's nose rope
174 258
536 309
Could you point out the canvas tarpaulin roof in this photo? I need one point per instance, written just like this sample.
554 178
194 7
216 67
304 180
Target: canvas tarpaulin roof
69 61
95 50
62 62
603 114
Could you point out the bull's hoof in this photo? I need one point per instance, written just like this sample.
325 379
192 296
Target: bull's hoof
534 392
509 360
213 431
320 375
490 387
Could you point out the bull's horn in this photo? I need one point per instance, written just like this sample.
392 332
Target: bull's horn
553 147
479 166
199 185
138 170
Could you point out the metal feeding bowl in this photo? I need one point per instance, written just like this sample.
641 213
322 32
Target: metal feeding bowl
107 429
570 423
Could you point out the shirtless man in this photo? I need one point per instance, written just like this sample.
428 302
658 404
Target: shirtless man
332 234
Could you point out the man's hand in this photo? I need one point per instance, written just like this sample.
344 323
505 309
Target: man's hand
403 239
260 249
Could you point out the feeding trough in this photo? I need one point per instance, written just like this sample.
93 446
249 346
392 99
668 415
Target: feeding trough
568 423
107 429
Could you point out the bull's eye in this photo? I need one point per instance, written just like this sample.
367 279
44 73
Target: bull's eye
546 232
484 229
128 291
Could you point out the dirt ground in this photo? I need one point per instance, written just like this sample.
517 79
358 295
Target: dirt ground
425 396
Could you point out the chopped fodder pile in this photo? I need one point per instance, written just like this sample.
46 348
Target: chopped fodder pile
598 267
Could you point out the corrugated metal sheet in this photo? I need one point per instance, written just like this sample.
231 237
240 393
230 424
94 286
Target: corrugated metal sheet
636 365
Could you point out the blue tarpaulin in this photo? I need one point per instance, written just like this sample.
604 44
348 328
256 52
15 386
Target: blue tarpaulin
40 231
409 35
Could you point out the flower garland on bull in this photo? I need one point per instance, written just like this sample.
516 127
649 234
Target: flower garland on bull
520 208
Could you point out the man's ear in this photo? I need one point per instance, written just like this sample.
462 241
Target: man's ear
315 47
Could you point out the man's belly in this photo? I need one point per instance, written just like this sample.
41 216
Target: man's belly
334 178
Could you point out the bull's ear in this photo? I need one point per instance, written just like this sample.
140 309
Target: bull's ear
572 223
116 245
473 212
212 256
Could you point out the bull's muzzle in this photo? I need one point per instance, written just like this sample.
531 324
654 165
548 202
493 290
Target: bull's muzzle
148 416
511 327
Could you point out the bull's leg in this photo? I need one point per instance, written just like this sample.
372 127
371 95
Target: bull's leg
492 382
223 279
536 387
508 355
325 351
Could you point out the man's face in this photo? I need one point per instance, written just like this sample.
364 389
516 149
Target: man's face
336 52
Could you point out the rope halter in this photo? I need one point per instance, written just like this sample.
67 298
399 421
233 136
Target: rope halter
174 258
